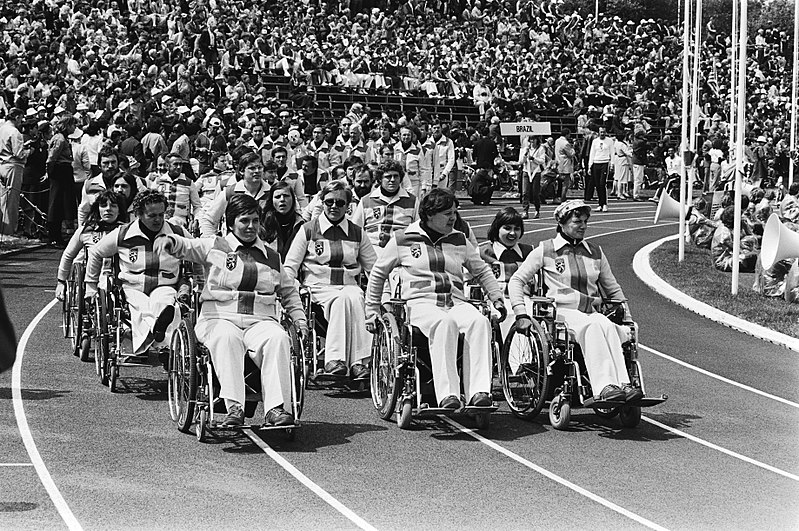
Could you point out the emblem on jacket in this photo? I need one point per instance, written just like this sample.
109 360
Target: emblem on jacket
133 255
560 265
319 247
496 267
230 261
96 237
376 212
416 250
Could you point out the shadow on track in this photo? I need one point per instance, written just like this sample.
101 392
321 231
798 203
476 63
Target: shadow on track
34 394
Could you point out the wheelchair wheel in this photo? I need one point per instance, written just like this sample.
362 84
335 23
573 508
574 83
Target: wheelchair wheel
113 377
85 347
523 371
102 350
298 371
76 307
385 387
559 413
606 413
405 414
630 416
201 428
182 382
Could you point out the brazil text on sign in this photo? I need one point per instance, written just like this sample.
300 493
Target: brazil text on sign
525 128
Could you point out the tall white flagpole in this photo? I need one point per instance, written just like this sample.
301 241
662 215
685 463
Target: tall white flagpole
794 89
684 132
695 96
733 76
739 147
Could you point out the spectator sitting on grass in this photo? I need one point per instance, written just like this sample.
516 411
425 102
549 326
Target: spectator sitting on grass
700 227
789 206
721 246
781 279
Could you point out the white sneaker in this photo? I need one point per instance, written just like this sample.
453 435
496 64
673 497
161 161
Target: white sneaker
603 208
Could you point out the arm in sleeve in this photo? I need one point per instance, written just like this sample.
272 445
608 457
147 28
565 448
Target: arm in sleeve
357 216
194 199
299 191
290 298
482 272
105 248
190 249
296 255
522 277
591 153
73 248
54 150
210 219
366 254
450 154
388 261
608 285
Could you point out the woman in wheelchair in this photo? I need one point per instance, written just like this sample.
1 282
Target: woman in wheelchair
239 315
107 212
331 252
576 275
431 256
504 251
149 280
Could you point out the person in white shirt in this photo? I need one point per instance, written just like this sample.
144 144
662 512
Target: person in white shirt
599 163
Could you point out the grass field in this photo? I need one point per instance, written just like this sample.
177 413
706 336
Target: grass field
697 277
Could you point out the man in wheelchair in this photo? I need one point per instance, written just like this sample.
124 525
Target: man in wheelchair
239 316
149 280
431 256
576 275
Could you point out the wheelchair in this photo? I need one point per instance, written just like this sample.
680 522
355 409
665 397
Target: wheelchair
314 360
193 389
75 312
546 365
402 378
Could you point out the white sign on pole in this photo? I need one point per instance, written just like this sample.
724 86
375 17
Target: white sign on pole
525 129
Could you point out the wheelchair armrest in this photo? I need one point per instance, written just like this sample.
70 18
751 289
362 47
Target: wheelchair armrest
535 299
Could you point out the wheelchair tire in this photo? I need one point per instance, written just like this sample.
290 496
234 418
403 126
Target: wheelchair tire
630 416
385 386
559 414
201 428
606 413
76 307
85 347
102 350
405 414
298 371
523 371
182 380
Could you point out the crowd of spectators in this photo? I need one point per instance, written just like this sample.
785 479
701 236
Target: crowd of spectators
194 79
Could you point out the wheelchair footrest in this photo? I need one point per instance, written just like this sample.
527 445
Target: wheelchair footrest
423 412
265 427
603 404
649 401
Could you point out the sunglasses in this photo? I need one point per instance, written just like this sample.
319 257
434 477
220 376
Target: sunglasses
337 202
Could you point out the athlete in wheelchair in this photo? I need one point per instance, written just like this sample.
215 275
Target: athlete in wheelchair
430 257
577 329
240 319
107 212
331 253
141 298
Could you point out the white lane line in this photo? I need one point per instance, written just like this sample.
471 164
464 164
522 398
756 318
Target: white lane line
25 431
722 449
305 480
719 377
15 464
554 477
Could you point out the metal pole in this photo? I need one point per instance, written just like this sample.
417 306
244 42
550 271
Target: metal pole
596 11
793 89
684 132
695 96
739 148
733 76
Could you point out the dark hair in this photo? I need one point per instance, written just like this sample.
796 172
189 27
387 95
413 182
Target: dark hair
728 216
278 149
105 197
390 165
108 151
238 205
311 159
269 222
148 197
506 216
353 160
247 159
437 200
793 189
132 182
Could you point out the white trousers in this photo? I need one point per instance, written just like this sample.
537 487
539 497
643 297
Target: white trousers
347 338
600 342
144 310
267 344
442 327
